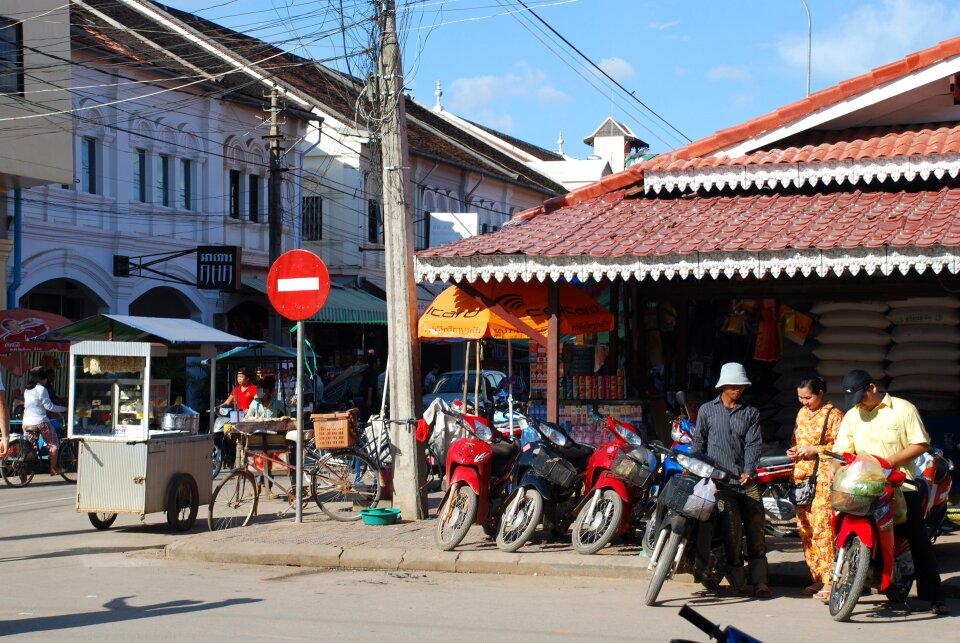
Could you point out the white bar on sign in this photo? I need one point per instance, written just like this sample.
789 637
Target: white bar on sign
298 283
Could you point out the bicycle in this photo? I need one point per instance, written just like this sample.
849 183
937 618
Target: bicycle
29 455
345 480
342 481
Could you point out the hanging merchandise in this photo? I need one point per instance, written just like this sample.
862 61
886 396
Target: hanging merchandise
737 320
767 348
794 324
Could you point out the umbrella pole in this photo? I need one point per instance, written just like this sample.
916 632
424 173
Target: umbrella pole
510 383
466 373
476 382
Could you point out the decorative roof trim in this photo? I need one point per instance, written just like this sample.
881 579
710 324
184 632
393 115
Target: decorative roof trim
799 174
788 263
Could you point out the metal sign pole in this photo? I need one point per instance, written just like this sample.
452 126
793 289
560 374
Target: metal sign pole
299 392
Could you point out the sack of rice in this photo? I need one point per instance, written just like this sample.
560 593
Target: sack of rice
940 302
868 336
823 307
853 319
926 333
923 315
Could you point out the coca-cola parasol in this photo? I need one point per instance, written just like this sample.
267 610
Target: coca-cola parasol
19 325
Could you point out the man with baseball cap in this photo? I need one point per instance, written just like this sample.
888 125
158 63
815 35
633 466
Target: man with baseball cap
729 432
890 427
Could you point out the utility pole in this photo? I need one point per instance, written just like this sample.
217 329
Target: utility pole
274 204
404 362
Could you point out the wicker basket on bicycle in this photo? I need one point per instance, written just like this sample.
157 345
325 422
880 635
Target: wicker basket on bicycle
335 430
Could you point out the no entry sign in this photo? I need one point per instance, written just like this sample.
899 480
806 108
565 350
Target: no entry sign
298 284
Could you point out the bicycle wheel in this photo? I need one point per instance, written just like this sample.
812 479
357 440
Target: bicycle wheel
20 463
343 483
67 458
234 502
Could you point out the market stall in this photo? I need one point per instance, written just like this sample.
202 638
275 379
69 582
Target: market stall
139 453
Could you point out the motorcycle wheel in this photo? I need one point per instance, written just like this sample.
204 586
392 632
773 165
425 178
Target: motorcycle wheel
846 590
516 530
664 565
593 532
649 539
455 517
216 459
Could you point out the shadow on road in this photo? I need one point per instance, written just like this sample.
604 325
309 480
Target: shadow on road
117 610
78 551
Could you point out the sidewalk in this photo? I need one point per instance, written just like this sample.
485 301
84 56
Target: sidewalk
321 542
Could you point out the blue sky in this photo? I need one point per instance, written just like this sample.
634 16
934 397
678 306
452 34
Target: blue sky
701 65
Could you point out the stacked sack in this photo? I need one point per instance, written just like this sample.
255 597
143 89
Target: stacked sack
853 335
796 363
925 357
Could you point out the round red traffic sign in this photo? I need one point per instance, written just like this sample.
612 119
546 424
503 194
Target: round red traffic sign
298 284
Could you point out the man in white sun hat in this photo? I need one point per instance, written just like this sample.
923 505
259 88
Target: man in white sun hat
729 432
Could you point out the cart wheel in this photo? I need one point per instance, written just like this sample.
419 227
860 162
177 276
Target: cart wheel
183 501
101 520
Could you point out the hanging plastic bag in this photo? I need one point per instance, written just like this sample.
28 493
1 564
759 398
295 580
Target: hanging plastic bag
701 502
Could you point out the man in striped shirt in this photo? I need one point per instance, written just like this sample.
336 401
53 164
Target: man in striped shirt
729 432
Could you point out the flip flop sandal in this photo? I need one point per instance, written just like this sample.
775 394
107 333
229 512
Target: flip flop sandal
811 590
939 607
763 593
823 595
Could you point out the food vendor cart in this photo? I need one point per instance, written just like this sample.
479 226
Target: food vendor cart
138 454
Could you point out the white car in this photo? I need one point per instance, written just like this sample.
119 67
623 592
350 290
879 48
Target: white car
449 387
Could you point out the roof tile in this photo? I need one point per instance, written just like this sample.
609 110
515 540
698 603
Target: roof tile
612 225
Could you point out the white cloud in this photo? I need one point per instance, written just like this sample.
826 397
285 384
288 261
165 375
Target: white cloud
617 68
724 72
865 38
473 95
663 26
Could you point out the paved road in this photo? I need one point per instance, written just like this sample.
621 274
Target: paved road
65 580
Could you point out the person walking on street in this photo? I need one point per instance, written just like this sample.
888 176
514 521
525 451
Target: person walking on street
36 403
890 427
729 432
815 431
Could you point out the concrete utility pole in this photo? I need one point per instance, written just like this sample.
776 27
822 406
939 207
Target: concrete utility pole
404 362
274 204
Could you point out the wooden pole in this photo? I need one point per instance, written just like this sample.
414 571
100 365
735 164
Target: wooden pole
404 358
553 351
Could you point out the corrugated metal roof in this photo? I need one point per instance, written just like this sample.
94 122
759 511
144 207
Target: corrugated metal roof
139 329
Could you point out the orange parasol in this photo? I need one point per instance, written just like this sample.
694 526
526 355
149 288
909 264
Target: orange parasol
454 314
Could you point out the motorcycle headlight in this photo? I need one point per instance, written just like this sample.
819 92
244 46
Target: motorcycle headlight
483 431
553 434
628 436
696 466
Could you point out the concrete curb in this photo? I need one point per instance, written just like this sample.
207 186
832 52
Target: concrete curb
431 560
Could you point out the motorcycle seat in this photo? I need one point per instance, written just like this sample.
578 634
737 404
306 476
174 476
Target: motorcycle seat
773 461
578 455
504 453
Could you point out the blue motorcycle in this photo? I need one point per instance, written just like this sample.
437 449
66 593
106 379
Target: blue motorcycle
681 433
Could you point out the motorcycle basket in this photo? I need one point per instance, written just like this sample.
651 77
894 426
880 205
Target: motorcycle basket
854 504
631 471
678 495
554 470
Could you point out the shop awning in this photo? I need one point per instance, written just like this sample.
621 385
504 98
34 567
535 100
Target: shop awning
260 351
776 234
141 329
345 304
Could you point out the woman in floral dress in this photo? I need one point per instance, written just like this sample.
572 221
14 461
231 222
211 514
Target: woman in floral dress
816 418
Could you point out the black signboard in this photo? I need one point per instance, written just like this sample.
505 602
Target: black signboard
218 267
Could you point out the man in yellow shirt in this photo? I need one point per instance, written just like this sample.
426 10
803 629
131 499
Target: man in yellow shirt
890 427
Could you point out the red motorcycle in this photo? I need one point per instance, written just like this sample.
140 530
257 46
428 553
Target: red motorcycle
867 549
775 477
478 479
618 480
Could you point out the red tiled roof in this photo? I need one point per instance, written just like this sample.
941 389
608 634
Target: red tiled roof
613 226
801 108
840 145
